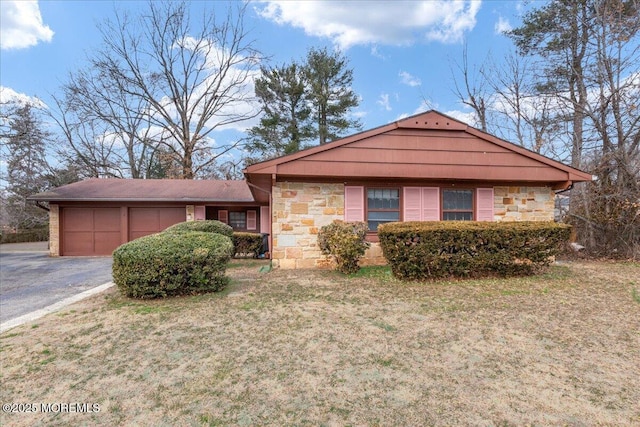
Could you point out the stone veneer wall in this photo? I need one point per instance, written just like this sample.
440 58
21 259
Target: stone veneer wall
300 209
523 203
298 212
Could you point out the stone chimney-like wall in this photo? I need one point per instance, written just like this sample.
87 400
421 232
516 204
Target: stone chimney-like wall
298 212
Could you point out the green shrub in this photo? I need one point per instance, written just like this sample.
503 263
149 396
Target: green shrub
33 235
208 226
247 244
168 264
427 250
345 241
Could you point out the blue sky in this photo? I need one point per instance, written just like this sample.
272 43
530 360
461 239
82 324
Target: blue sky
402 53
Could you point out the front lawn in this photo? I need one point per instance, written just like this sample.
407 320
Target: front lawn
319 348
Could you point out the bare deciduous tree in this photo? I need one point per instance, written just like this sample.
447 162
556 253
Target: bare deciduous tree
159 86
95 100
587 53
473 89
194 80
526 116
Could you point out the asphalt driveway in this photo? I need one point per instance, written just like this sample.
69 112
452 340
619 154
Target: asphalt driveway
31 280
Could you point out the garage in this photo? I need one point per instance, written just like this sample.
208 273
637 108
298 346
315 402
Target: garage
94 231
90 231
95 216
144 221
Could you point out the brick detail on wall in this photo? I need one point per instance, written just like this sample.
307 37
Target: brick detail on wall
298 212
54 230
523 203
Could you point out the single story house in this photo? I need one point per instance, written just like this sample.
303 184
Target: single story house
428 167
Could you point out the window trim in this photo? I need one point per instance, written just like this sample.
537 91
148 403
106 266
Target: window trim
251 218
366 202
473 204
244 220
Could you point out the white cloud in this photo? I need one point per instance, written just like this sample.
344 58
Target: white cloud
8 95
22 25
467 117
425 105
383 101
408 79
502 26
376 53
353 23
359 114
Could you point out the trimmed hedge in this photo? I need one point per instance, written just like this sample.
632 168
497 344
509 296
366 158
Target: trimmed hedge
346 242
33 235
168 264
430 250
247 243
208 226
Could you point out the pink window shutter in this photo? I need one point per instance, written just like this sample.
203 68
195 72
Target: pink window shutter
265 219
485 204
430 204
252 221
200 213
223 216
412 203
353 204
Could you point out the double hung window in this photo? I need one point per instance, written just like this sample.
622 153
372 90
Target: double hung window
238 220
383 205
457 205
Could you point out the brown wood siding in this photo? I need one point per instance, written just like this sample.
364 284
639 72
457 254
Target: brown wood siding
89 231
420 171
423 154
145 221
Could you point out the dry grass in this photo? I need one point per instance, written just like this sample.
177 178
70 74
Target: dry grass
319 348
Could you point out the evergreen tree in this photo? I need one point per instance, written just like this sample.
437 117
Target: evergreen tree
27 167
330 93
303 102
286 123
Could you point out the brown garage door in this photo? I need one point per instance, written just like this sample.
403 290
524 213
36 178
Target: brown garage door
90 231
144 221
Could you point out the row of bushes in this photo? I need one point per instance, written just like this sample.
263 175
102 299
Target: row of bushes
427 250
430 250
186 258
34 235
191 257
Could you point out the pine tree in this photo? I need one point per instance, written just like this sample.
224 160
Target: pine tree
286 124
27 167
330 93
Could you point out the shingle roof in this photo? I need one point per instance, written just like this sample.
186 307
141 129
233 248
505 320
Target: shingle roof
149 190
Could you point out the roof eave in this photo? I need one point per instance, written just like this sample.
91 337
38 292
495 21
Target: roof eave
574 174
136 200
